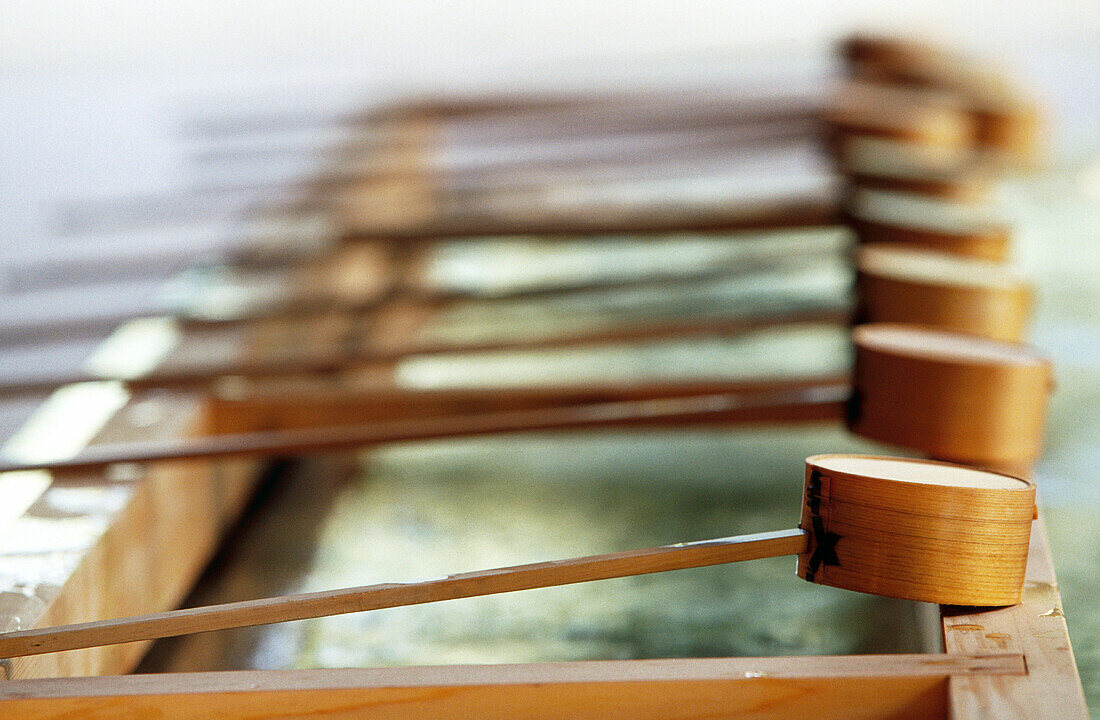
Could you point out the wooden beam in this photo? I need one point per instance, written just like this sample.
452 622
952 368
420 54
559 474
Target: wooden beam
824 688
1036 628
251 407
98 544
118 549
359 218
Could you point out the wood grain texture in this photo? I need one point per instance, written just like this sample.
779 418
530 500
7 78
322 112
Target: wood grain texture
123 553
887 687
394 336
916 541
990 242
614 154
334 343
347 277
910 529
987 411
962 186
361 215
132 560
891 111
988 686
416 205
913 391
1007 119
532 116
977 298
317 404
1036 628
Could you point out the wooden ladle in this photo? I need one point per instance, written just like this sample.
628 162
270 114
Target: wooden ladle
910 529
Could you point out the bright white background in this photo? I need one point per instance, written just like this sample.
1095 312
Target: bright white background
93 94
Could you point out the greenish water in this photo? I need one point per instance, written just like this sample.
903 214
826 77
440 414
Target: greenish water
423 511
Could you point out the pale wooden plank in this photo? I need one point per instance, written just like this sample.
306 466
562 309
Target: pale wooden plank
101 544
96 545
1036 628
852 687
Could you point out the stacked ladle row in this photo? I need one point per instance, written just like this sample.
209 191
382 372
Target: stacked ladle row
902 528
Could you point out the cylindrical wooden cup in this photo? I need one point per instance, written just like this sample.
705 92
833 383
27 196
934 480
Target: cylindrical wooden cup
928 117
960 228
1007 121
923 287
953 397
891 165
916 529
990 242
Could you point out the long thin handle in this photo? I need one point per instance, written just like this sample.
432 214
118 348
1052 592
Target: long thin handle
333 361
798 403
386 595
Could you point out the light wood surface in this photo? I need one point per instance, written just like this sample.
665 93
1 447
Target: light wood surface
487 158
414 206
888 686
531 116
1007 120
365 277
1037 629
933 423
117 550
914 388
775 405
959 398
404 214
250 407
988 685
893 164
326 345
915 115
990 242
916 530
909 285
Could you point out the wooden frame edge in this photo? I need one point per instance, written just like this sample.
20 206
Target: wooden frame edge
864 686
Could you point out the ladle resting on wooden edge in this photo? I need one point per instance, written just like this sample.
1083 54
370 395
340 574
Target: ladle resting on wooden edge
910 529
949 396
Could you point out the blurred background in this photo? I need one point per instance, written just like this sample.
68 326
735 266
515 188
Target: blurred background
135 136
109 98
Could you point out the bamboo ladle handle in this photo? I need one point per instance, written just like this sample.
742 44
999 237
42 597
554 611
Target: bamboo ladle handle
387 595
825 400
